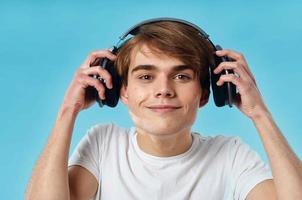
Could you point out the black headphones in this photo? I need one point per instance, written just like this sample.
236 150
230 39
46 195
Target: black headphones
223 95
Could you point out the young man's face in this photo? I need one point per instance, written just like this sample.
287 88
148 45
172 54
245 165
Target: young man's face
162 94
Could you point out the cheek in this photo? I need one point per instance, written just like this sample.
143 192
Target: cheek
191 100
191 108
136 100
191 96
136 97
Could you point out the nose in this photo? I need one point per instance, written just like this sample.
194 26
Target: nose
164 88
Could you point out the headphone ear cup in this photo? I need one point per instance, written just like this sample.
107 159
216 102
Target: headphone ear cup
111 95
224 94
218 94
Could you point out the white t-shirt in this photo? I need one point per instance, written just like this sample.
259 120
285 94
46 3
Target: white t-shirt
213 168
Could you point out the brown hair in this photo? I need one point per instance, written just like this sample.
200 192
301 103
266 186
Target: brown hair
173 39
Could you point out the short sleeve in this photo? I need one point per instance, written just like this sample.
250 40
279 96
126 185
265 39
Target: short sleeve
87 153
247 169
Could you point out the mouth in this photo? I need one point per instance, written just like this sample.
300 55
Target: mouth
163 108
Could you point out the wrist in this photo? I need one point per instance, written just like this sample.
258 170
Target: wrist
68 110
261 114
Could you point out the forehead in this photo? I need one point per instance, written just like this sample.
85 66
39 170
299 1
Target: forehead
145 55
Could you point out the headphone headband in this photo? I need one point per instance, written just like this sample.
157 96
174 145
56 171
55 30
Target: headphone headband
134 29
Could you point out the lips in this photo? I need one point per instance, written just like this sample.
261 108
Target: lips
163 108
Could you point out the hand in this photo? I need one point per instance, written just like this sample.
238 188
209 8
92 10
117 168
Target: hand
75 96
249 100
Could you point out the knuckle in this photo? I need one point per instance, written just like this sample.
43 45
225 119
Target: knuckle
228 77
100 70
80 78
107 51
93 53
231 77
95 82
224 77
236 65
106 74
241 63
78 73
98 85
240 55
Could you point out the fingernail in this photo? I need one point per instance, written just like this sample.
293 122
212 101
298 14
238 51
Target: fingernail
109 85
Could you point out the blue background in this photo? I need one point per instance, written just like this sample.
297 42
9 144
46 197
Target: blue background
43 42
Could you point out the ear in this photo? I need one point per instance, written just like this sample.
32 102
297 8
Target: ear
204 98
124 94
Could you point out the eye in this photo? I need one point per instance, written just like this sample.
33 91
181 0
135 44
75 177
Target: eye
145 77
182 77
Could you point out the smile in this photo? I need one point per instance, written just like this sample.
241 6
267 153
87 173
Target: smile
163 108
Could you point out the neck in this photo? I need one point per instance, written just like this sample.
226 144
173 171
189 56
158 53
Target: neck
164 145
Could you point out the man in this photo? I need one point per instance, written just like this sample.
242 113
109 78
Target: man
164 70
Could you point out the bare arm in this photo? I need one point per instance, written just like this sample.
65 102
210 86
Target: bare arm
82 183
286 166
50 177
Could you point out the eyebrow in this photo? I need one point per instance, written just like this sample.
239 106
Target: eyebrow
153 67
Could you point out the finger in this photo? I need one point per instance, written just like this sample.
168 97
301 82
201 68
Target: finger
86 81
231 54
235 66
104 74
237 57
244 87
228 78
98 54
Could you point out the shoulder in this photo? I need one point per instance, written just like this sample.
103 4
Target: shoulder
224 147
111 129
233 150
218 141
108 134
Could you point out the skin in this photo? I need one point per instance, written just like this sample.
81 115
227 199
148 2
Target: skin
164 131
